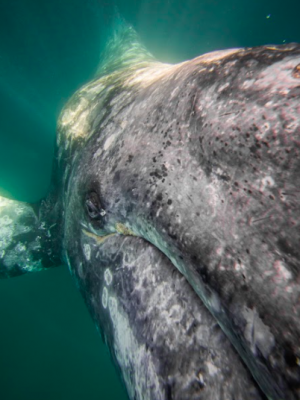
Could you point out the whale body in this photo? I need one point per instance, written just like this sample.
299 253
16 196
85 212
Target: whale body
175 202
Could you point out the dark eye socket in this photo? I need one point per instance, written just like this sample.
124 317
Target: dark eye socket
93 207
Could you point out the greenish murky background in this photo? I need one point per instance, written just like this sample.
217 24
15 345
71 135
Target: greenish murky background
49 348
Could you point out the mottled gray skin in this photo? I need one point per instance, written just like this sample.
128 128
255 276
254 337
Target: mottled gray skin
161 336
201 159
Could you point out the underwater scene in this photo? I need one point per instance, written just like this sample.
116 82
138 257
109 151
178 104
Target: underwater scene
50 348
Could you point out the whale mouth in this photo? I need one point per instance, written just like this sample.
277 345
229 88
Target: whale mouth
203 293
155 324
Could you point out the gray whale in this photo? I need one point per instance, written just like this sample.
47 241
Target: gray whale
175 203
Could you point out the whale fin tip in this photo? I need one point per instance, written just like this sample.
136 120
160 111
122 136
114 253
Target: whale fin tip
123 49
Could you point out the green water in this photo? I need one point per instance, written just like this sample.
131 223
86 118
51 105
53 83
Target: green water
50 349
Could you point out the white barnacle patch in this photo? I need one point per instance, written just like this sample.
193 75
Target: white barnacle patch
109 141
212 369
159 211
257 333
248 83
223 87
104 298
267 182
282 273
264 128
174 92
238 266
87 251
292 126
135 361
212 192
108 276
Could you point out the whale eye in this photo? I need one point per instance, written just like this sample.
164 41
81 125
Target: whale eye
93 206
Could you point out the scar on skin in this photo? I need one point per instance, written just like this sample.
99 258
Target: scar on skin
123 230
99 239
120 228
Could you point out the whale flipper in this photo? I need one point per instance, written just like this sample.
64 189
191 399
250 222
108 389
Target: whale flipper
27 240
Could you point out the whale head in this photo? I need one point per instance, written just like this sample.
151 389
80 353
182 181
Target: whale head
177 190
